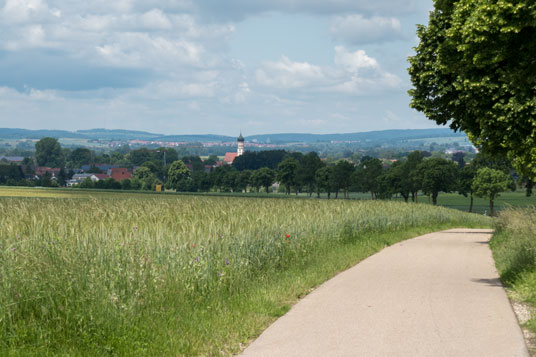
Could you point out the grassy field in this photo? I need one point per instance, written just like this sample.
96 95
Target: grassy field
514 251
95 273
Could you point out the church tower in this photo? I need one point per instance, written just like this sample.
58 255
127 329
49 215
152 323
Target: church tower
240 149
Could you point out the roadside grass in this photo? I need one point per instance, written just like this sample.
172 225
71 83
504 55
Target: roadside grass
142 274
514 251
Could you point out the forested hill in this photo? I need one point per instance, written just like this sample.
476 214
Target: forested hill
396 135
125 135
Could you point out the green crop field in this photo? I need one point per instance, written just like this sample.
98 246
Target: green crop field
95 273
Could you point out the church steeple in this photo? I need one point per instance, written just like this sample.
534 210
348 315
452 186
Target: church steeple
240 149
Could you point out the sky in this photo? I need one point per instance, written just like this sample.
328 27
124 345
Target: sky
209 66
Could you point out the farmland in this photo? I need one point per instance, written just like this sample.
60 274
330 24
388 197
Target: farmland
91 273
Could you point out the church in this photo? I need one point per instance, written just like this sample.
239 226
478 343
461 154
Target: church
230 156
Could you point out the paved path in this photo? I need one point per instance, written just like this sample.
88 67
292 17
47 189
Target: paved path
435 295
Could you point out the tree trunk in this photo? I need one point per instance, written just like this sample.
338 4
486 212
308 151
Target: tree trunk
337 194
491 207
471 204
329 195
434 198
406 197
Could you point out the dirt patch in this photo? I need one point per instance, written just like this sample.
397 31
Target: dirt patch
524 313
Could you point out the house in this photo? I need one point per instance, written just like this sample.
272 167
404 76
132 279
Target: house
119 174
41 171
229 157
101 176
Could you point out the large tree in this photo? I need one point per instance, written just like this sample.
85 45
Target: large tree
287 173
437 175
48 153
489 183
177 172
307 171
474 70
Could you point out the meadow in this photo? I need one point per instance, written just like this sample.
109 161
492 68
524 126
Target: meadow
96 273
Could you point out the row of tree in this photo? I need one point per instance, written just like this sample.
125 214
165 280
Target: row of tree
484 177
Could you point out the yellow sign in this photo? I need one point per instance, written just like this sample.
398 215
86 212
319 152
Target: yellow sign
158 188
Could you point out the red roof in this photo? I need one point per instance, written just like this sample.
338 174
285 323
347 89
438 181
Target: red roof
42 170
119 174
229 157
101 176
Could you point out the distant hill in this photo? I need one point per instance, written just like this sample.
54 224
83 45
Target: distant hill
6 133
395 135
117 134
195 138
284 138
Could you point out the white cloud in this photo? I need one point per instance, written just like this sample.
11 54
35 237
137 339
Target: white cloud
353 73
155 19
288 74
356 29
354 61
23 11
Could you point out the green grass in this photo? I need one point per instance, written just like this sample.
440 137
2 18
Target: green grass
101 273
514 251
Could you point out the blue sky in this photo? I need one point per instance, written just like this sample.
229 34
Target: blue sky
208 66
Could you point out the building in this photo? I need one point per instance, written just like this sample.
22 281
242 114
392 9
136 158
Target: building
240 148
230 156
119 174
41 171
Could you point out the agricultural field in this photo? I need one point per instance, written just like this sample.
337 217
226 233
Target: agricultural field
93 273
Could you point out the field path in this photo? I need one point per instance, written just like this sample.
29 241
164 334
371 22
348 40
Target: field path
435 295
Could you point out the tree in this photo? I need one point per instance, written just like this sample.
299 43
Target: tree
263 177
287 173
145 177
307 171
474 70
489 183
138 157
79 157
48 153
232 180
368 173
458 157
323 180
244 179
177 172
437 175
465 183
342 177
414 182
398 177
212 159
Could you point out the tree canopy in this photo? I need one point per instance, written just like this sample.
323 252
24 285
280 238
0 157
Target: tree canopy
474 70
48 153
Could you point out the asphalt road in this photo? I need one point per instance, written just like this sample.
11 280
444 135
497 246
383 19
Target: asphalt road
435 295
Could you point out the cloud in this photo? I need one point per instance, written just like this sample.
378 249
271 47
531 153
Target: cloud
288 74
98 44
239 9
353 73
54 69
356 29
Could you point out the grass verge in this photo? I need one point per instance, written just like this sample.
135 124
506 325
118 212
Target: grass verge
514 250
